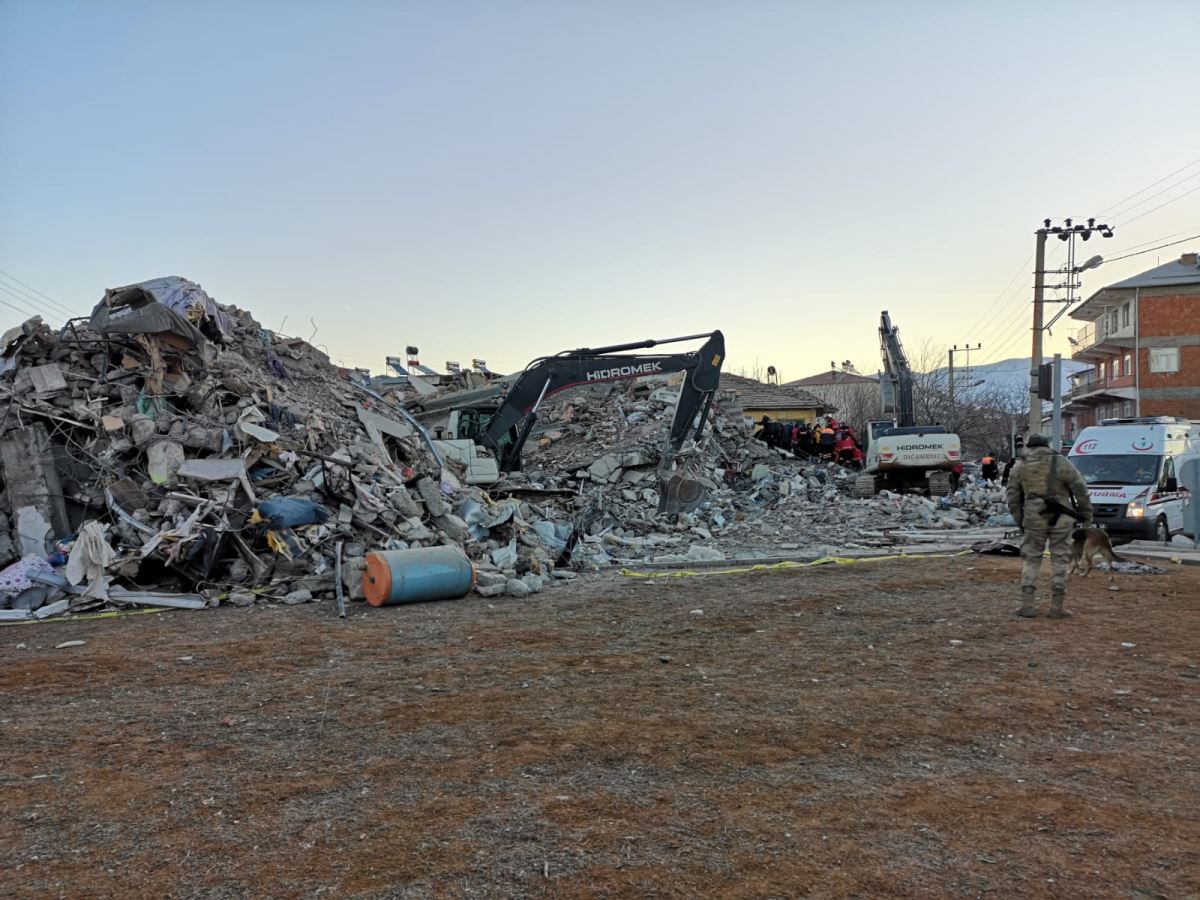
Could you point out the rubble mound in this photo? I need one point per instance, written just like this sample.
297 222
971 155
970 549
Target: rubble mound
216 460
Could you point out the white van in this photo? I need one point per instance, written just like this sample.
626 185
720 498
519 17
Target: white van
1131 466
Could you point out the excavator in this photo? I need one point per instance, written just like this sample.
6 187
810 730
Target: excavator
902 456
488 438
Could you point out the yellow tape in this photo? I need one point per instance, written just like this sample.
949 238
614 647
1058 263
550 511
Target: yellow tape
775 567
85 617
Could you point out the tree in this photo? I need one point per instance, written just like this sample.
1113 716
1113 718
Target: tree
983 417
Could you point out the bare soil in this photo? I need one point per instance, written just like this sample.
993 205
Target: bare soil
884 728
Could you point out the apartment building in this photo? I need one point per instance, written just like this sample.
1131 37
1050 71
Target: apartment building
1142 345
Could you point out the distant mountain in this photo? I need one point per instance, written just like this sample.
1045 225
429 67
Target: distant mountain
1004 375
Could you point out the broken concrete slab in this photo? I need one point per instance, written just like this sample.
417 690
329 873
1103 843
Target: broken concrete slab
33 532
31 479
264 435
431 495
47 379
603 468
163 459
212 469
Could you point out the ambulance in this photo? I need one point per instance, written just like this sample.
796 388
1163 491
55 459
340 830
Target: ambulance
1131 468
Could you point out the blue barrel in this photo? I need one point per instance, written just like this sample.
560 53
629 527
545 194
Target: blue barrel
410 576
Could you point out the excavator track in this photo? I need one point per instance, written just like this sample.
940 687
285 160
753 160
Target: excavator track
864 487
939 484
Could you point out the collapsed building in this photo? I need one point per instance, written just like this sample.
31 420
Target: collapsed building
167 450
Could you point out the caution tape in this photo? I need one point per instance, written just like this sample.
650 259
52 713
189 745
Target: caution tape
780 566
87 617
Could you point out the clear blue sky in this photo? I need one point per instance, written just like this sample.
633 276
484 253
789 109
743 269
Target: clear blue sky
509 179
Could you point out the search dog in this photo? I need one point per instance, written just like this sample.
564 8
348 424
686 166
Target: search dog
1088 543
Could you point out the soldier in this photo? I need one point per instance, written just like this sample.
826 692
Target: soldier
1043 487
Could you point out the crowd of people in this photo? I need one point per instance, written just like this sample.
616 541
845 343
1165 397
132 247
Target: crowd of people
829 440
825 439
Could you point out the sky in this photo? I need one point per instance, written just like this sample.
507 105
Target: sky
509 179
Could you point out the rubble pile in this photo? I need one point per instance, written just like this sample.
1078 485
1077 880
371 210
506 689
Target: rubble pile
604 443
170 451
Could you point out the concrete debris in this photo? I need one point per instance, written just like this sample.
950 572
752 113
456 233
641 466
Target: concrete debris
219 462
181 455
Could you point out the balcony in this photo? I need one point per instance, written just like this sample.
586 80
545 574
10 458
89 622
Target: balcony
1100 339
1088 386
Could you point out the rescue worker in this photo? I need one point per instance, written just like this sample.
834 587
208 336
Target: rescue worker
1042 488
826 442
991 468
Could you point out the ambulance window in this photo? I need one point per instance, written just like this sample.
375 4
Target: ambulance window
1168 473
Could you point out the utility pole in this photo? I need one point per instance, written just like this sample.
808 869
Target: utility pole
1065 232
967 348
1035 358
1056 416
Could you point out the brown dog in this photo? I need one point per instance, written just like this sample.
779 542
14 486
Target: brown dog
1087 544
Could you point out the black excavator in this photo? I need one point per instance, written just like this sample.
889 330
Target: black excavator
504 428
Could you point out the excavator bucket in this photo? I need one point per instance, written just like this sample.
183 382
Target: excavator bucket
679 494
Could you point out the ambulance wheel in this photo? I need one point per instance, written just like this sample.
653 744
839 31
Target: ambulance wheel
1162 531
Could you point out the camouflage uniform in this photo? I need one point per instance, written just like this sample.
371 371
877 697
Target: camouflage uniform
1041 474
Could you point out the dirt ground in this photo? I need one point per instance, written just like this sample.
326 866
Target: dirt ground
885 728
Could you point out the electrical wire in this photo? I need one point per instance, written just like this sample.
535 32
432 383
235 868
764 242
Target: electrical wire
997 310
1003 292
1003 325
24 312
1116 217
65 309
1152 249
1120 203
1160 206
1163 237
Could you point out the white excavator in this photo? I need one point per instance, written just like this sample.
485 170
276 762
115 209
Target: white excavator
902 456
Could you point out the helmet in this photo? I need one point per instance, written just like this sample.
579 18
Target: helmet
1037 440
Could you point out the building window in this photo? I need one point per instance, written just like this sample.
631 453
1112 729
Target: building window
1101 368
1128 408
1128 364
1112 321
1164 359
1125 316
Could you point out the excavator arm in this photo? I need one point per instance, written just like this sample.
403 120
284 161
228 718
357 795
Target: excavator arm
896 384
551 374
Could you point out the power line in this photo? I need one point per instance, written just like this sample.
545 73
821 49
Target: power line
1162 237
1004 291
66 310
1161 205
1152 249
1005 324
1117 215
1147 187
24 312
1000 343
25 297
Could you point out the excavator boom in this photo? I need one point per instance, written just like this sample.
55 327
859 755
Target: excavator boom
571 368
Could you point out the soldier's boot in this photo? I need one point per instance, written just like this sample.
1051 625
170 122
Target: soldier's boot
1056 605
1028 598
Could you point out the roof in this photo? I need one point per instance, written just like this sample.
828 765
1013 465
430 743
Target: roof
1172 274
757 395
832 377
1167 275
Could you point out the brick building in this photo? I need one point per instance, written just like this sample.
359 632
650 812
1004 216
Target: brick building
1142 343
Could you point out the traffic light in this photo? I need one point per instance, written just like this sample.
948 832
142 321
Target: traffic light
1046 381
1018 444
